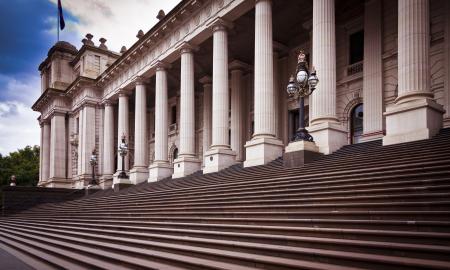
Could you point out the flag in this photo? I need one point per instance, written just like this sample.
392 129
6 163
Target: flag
62 24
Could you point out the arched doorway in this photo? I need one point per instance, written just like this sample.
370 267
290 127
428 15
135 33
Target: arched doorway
356 123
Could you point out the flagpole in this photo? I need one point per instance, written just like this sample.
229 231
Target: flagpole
57 26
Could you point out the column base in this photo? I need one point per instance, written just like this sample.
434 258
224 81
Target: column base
185 165
218 159
413 120
106 181
159 170
372 136
262 150
57 183
120 183
328 136
299 153
138 175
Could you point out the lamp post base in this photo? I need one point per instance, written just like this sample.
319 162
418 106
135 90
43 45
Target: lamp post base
299 153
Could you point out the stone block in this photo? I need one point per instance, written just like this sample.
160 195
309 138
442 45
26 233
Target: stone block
260 151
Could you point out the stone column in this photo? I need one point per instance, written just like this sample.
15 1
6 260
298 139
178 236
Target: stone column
220 156
415 115
264 145
373 72
58 155
88 142
139 173
187 161
108 142
161 168
207 112
328 133
238 116
45 148
123 129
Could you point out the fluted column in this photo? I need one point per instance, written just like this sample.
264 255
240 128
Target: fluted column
329 135
123 127
88 141
237 110
58 147
413 49
220 155
207 112
415 115
45 148
108 141
264 146
265 125
139 173
161 168
372 74
187 162
324 60
221 103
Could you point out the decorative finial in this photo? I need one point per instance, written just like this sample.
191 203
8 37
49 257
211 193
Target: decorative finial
89 39
140 34
123 49
102 44
161 14
301 56
84 41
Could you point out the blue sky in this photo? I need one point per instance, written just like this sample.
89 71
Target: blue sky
28 30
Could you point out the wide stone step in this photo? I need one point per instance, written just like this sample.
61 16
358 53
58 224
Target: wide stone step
257 233
209 258
264 185
411 187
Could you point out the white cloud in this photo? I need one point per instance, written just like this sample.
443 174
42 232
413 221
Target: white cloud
18 126
116 20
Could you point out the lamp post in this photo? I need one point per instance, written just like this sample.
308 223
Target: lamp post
93 162
301 86
123 150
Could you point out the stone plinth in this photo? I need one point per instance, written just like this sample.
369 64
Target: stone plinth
120 183
329 136
414 120
218 159
138 174
260 151
184 166
159 170
299 153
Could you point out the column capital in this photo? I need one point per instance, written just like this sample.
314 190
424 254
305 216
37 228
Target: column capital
108 102
161 65
122 92
238 65
138 80
205 80
219 24
187 47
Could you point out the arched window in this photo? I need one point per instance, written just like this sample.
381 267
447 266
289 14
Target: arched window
356 123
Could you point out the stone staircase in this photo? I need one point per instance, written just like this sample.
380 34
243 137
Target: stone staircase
364 207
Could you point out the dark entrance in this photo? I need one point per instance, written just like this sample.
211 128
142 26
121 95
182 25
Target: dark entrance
356 123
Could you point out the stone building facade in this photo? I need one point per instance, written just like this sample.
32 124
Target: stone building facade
205 87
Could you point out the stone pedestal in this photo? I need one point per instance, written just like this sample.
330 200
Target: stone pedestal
120 183
299 153
159 170
329 136
414 120
260 151
90 189
184 166
217 159
138 174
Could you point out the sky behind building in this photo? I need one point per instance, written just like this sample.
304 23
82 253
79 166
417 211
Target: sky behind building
28 30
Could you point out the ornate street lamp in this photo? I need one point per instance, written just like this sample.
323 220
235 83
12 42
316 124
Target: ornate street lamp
93 162
300 87
123 150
